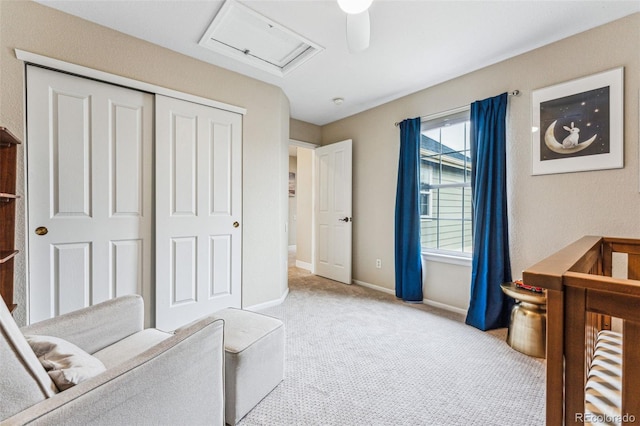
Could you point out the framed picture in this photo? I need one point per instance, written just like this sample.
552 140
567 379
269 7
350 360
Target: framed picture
578 125
292 184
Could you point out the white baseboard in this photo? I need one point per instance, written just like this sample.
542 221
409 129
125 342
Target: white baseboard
375 287
444 307
304 265
265 305
428 302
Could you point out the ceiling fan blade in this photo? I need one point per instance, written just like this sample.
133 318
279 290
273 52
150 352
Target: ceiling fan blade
358 31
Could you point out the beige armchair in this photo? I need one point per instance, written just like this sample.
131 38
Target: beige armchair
151 377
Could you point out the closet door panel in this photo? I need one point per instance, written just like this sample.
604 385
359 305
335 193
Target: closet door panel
126 160
198 211
70 162
89 163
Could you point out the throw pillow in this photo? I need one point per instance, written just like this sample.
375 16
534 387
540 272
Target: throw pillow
66 363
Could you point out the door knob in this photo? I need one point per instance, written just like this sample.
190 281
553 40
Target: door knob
41 230
345 219
236 224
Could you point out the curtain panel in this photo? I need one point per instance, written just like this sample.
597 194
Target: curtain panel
489 308
408 260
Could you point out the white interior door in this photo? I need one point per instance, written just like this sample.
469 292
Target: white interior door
333 217
198 211
89 152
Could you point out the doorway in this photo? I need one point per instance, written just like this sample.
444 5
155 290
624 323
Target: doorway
320 205
300 193
301 207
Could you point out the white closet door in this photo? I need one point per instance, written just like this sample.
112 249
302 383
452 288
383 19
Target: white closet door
333 221
89 162
198 211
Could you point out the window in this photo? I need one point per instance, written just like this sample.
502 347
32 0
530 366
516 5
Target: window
445 184
425 192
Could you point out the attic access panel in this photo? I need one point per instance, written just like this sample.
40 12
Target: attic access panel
242 33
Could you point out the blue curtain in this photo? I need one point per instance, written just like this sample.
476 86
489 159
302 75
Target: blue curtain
489 308
407 225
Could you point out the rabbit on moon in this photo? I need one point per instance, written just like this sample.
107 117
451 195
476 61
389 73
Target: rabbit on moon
570 144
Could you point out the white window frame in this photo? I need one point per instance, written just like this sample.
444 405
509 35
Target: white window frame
443 255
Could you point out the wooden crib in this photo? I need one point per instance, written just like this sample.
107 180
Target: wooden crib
582 300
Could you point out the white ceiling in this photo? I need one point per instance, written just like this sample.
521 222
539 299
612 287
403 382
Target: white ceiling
414 44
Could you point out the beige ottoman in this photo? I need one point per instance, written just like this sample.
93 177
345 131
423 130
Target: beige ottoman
254 359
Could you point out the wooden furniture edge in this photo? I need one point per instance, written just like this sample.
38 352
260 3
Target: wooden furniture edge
8 138
603 283
548 273
555 356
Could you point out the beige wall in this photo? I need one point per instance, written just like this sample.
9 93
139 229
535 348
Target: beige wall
269 296
38 29
545 212
447 284
305 132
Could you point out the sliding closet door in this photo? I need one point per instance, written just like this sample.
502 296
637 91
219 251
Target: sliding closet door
198 211
89 165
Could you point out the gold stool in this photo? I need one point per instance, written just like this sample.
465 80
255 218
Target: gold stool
528 325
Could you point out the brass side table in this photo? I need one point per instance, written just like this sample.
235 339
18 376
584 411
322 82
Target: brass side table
528 325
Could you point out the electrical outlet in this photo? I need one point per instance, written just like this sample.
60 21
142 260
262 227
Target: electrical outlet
378 263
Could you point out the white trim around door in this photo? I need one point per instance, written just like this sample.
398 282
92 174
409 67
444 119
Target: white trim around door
56 64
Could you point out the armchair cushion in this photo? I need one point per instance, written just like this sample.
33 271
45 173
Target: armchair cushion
66 363
95 327
23 381
131 346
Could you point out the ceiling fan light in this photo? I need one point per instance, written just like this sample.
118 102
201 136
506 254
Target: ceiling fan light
354 6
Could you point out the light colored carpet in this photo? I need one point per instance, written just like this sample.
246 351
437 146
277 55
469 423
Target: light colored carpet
355 356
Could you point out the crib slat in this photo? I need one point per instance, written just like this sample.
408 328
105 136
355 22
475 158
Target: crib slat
630 371
592 328
574 342
607 258
555 358
633 267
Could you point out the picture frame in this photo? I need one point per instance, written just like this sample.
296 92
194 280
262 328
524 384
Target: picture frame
578 125
292 184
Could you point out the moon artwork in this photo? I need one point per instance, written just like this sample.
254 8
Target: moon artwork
575 125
